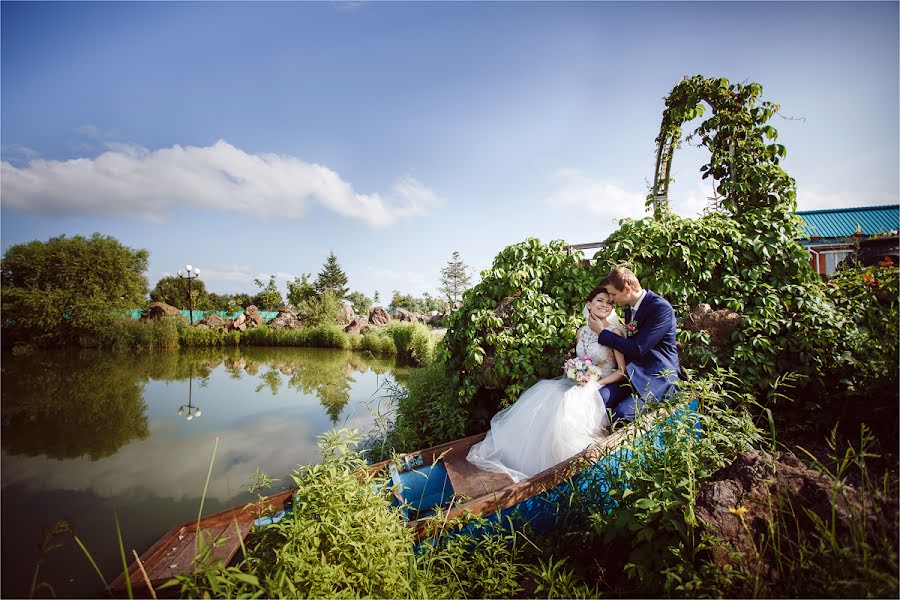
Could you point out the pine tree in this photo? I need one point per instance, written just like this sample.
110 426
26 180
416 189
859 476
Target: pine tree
332 278
376 298
454 278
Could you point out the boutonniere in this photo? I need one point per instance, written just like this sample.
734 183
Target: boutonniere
631 329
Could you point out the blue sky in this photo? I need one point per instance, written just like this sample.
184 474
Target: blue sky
251 139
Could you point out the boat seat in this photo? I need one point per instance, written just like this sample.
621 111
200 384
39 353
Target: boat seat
470 481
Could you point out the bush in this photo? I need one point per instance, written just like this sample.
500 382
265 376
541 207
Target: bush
412 341
379 342
343 540
192 337
320 336
425 411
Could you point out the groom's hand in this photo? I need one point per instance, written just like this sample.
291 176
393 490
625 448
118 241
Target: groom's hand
594 324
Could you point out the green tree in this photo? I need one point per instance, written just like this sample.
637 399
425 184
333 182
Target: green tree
332 278
404 301
430 303
269 298
301 290
64 288
454 278
376 299
360 302
319 310
173 290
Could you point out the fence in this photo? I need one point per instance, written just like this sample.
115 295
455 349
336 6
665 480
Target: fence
199 315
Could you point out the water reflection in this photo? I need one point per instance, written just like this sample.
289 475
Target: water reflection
63 410
104 429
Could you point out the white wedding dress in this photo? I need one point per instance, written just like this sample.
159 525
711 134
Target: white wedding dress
551 421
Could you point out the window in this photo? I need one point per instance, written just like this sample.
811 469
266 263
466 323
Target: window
832 258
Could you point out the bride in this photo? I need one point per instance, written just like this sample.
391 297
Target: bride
555 419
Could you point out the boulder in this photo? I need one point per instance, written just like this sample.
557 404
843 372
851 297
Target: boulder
212 321
346 314
379 316
719 323
160 309
437 320
738 503
357 326
285 319
251 310
254 320
403 315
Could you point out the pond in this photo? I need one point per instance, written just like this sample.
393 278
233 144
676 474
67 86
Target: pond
87 435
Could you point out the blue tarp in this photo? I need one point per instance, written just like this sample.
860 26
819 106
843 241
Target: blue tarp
199 315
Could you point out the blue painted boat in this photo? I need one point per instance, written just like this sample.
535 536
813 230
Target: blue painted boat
441 480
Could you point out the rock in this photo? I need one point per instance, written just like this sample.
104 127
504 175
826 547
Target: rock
437 320
357 326
285 319
719 323
504 310
404 315
212 321
251 310
785 488
160 309
254 320
346 314
201 325
379 316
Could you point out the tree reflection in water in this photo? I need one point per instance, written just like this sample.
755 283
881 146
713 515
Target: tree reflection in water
65 405
69 404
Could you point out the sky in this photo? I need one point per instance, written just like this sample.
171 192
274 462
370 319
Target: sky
253 139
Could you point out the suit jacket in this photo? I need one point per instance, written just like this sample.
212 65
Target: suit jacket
651 354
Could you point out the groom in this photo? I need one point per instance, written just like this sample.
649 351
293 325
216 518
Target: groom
649 348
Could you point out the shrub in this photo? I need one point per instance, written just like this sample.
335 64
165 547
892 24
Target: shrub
379 342
412 341
344 539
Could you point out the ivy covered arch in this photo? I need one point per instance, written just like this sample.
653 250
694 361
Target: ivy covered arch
745 159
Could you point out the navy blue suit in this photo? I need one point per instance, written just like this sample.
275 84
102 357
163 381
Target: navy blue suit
651 357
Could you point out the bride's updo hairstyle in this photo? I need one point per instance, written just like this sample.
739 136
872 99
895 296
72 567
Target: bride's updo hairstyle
600 289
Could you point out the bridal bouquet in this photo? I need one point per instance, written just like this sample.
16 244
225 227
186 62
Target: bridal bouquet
581 370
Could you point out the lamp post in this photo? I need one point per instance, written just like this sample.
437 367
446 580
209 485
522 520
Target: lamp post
191 410
190 274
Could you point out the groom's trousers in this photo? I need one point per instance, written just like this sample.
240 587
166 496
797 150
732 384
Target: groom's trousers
620 399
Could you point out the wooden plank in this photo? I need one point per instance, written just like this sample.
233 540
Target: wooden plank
464 476
179 554
231 540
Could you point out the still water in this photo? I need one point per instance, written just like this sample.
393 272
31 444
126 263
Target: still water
87 435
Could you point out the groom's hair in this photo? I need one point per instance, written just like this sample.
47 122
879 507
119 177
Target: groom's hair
619 277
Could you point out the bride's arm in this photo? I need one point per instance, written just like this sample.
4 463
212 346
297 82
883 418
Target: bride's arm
619 375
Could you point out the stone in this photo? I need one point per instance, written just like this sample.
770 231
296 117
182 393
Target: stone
346 315
251 310
785 487
404 315
160 309
212 321
437 320
379 316
254 319
719 323
357 326
285 319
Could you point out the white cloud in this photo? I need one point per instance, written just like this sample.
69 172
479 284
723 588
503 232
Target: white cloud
578 193
407 282
132 181
811 199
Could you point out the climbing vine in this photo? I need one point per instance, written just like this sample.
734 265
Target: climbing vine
518 323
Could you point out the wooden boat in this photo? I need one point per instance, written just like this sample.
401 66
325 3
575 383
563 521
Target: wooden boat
430 480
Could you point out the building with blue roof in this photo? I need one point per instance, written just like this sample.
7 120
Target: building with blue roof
833 234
